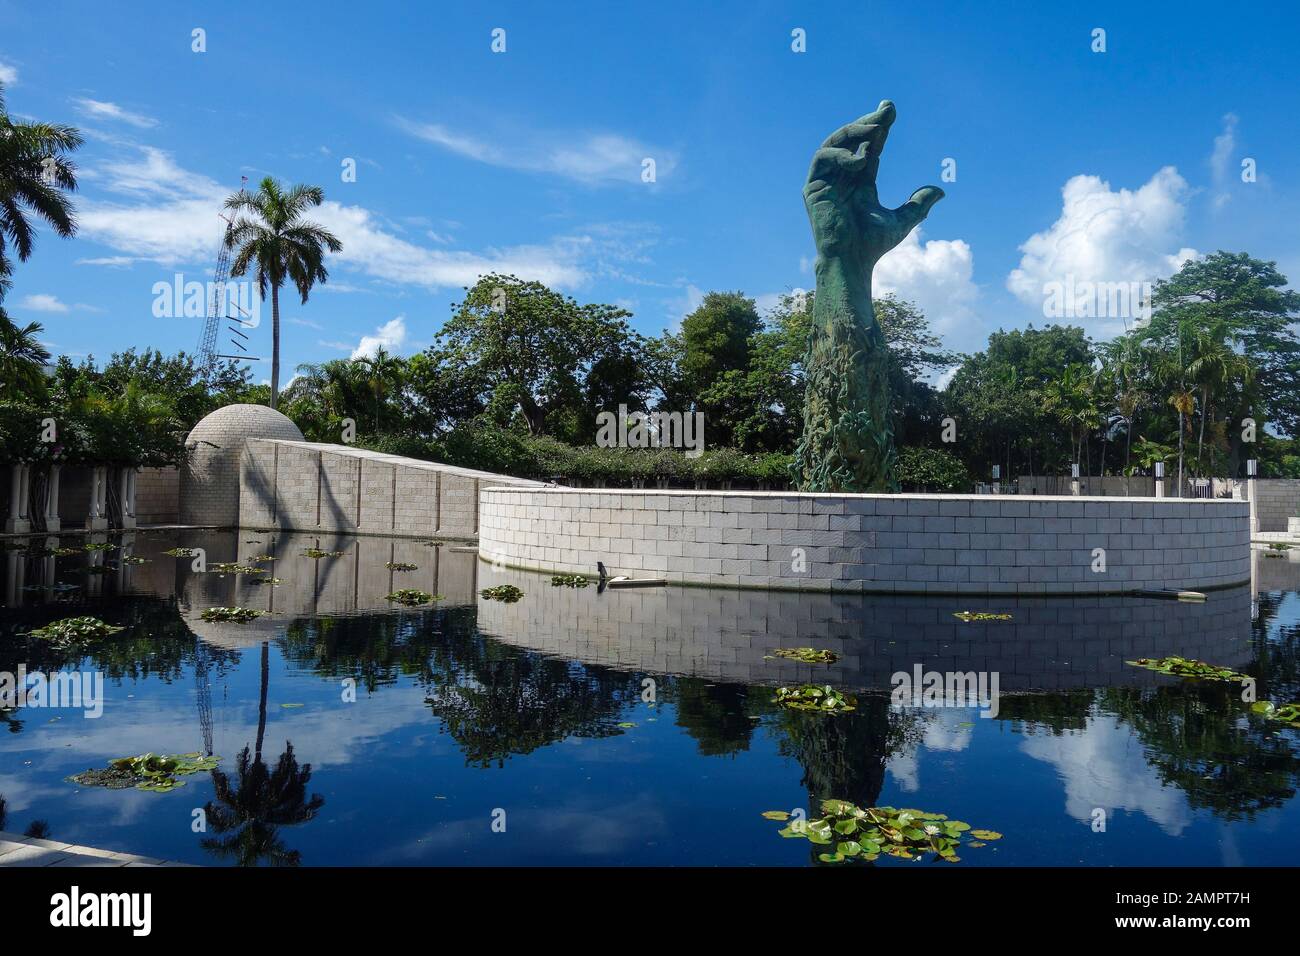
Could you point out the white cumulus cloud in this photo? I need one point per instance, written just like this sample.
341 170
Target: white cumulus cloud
1104 235
936 275
42 302
390 336
100 109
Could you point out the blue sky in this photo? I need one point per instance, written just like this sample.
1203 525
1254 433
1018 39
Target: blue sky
1108 166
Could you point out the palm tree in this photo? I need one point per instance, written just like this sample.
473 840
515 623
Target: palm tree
34 168
251 813
279 244
381 370
22 358
1215 362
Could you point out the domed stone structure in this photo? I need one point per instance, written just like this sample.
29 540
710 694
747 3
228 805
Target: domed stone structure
209 493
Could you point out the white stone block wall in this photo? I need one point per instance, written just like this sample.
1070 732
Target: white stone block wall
1277 500
343 490
871 543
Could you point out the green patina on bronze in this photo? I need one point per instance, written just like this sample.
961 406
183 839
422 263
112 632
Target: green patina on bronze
848 441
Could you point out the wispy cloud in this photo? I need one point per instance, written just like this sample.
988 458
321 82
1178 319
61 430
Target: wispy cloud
592 158
8 73
42 302
1225 145
101 109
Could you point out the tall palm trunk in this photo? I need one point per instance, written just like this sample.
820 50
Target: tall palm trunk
261 704
1200 439
275 351
1181 429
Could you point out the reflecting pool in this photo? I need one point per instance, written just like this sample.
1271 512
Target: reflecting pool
634 726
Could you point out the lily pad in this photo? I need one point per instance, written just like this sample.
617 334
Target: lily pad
401 566
232 567
318 553
569 581
506 593
869 832
73 629
180 552
805 655
1288 714
1188 667
156 773
969 616
986 835
412 597
822 698
238 615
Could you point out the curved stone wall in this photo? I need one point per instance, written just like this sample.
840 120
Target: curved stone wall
872 543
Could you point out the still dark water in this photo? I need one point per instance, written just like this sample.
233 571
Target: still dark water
631 727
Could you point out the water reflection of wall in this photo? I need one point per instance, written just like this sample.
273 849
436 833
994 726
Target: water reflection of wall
724 635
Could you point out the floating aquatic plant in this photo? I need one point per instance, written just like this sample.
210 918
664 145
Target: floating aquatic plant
54 552
266 579
412 597
233 567
76 628
1188 667
568 581
823 698
433 543
99 568
1279 546
97 546
157 773
239 615
1284 713
262 559
134 559
853 833
401 566
507 593
969 616
805 655
318 553
180 552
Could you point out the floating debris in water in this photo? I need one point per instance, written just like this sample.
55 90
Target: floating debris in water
238 615
864 835
153 772
823 698
291 706
401 566
507 593
412 597
568 581
1284 713
805 655
981 616
1188 667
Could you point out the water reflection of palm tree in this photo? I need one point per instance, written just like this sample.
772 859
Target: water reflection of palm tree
250 814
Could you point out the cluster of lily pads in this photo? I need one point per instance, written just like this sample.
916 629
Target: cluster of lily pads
134 559
180 552
237 615
969 616
157 773
506 593
75 629
1288 714
318 553
412 597
54 552
1188 667
569 581
857 834
262 558
401 566
233 567
98 546
822 698
805 655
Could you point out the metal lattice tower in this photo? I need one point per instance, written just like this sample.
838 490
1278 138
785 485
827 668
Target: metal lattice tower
216 307
204 687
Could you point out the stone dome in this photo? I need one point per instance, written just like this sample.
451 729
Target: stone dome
231 424
209 492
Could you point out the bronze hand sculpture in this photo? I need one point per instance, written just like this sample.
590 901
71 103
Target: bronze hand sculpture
848 441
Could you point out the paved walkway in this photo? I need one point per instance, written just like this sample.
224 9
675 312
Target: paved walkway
18 850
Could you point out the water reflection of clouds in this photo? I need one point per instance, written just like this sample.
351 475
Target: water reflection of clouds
1103 766
949 731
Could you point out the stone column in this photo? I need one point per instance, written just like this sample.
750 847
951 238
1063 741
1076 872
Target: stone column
52 522
97 519
19 521
126 493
